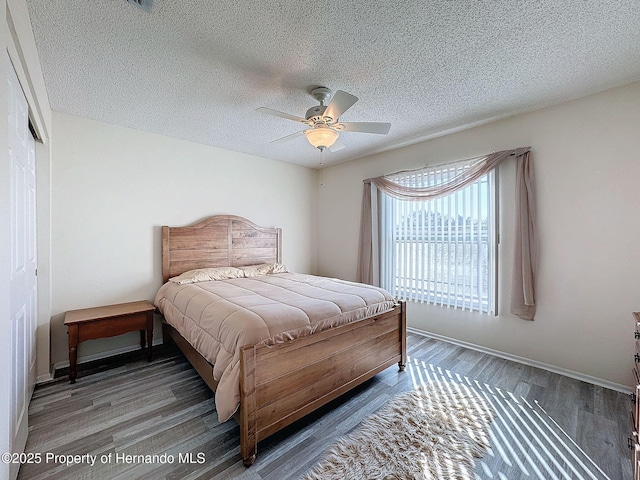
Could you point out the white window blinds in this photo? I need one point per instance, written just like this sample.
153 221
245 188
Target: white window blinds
441 251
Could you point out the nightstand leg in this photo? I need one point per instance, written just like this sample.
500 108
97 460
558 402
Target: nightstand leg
143 342
73 352
73 358
149 335
149 343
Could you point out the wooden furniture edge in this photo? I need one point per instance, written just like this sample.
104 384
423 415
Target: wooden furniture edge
199 363
107 311
166 253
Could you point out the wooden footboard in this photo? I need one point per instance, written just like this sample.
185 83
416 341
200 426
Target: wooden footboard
282 383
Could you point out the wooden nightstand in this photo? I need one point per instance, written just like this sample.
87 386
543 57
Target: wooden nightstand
108 321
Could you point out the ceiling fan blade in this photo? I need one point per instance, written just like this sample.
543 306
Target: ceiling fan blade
270 111
381 128
286 138
338 145
340 103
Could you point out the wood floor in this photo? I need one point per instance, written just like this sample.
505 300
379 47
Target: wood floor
547 426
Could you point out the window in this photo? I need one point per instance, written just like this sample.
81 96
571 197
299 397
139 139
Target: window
442 251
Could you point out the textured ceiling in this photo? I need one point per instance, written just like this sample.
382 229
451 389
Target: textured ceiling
198 69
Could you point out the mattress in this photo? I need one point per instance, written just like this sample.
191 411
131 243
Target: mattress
219 317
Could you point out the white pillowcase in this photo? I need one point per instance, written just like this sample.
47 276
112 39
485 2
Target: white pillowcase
263 269
207 274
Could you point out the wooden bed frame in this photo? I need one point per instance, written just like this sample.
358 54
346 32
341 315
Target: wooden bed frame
281 383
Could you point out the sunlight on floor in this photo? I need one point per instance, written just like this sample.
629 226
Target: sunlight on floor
523 436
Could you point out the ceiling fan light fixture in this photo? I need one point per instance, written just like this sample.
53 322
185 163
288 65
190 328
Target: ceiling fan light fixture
321 137
323 120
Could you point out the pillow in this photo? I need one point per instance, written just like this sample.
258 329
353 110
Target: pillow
207 274
263 269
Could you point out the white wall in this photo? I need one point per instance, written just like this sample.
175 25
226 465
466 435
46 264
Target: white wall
587 179
112 190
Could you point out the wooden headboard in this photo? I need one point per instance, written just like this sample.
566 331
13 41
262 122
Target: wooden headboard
218 241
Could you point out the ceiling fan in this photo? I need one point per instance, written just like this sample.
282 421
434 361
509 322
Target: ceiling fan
324 120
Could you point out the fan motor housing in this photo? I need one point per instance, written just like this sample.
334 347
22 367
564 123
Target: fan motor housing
315 114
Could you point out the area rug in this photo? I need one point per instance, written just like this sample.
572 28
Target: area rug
434 432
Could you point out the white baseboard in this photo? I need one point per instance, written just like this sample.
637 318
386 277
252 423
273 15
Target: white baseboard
47 377
526 361
98 356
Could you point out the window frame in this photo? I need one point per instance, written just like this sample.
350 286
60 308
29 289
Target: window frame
441 297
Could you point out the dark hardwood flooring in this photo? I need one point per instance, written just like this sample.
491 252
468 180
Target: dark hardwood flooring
547 426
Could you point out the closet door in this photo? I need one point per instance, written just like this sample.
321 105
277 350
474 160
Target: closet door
23 303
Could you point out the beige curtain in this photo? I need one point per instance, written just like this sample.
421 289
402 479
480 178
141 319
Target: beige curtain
526 246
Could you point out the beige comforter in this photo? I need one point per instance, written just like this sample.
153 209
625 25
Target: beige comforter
219 317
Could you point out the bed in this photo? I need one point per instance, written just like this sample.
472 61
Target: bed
278 373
